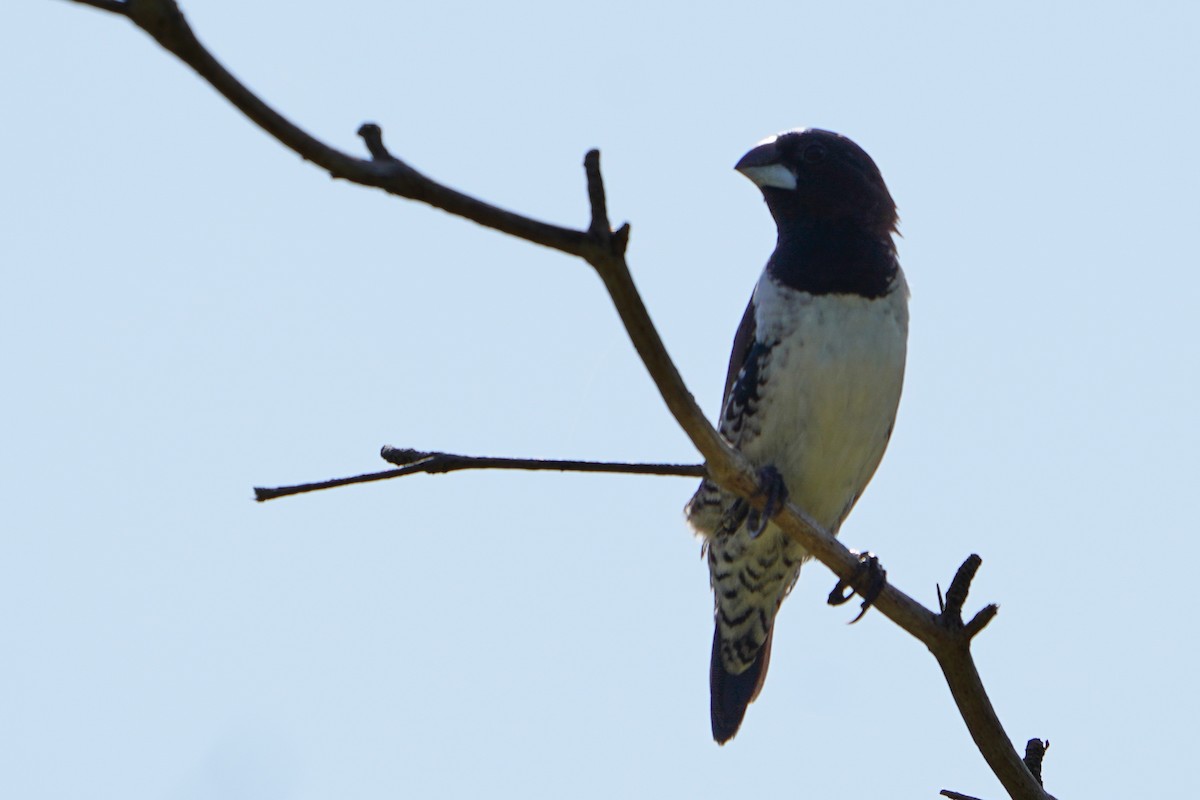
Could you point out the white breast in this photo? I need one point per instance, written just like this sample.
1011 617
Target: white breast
830 393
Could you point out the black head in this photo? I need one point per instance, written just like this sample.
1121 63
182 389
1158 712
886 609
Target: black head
822 177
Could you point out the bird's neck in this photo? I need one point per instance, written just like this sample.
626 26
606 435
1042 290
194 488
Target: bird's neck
833 257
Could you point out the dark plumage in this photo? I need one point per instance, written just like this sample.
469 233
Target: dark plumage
812 389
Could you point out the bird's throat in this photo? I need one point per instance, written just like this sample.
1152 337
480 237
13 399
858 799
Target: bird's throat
831 257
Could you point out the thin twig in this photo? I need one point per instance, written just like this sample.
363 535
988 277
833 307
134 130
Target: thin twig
413 462
436 463
960 586
953 653
163 20
263 493
372 136
980 620
604 250
1035 751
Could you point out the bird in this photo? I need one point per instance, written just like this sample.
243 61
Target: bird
811 392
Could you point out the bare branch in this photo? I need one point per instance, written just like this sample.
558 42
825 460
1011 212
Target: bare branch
953 653
1035 751
372 136
956 595
436 463
980 620
163 20
600 226
263 493
412 462
944 634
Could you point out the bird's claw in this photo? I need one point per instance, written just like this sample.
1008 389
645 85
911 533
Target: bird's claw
869 574
771 485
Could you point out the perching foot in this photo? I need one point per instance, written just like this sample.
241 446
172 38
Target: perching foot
771 485
870 575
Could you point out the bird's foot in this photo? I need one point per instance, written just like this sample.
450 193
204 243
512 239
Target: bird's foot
870 575
771 485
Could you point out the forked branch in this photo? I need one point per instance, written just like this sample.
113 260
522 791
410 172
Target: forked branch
945 634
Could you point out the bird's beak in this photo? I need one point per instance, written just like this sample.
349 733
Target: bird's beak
762 165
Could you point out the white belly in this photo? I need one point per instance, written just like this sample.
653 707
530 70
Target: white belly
832 387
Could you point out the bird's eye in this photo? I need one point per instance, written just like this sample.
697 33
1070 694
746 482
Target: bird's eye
814 154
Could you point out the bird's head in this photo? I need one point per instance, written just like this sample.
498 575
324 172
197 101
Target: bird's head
817 175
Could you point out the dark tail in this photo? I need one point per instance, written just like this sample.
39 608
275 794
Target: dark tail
732 693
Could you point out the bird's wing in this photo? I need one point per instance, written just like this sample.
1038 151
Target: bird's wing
743 341
744 381
711 509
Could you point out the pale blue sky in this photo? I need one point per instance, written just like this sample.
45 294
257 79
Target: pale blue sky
190 310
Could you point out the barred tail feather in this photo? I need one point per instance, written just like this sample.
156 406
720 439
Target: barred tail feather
731 693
